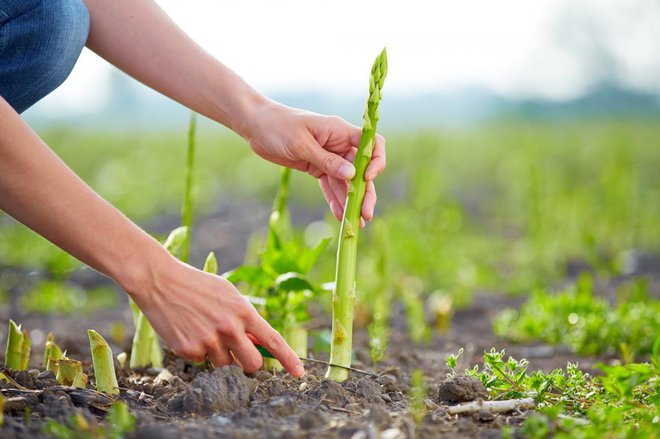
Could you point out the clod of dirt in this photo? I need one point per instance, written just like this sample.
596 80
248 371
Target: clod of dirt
282 406
379 417
461 389
223 390
369 390
311 420
388 383
331 392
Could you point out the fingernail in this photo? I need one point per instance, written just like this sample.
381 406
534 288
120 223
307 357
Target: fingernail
299 370
347 171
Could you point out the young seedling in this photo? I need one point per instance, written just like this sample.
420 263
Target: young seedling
17 353
343 299
417 396
104 366
279 279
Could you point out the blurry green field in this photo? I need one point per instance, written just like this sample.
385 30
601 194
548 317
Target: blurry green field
501 207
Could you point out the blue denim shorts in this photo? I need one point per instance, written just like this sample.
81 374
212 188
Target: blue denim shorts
40 41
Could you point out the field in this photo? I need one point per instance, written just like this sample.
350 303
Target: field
541 239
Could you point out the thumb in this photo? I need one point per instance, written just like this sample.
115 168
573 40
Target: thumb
331 164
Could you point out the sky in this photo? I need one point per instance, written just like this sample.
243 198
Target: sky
552 49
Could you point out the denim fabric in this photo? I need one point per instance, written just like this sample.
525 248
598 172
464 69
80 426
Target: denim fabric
40 41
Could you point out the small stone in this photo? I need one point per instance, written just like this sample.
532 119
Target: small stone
303 386
388 383
221 420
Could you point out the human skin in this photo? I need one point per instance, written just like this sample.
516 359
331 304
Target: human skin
199 315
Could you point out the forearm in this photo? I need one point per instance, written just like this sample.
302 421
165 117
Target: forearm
40 191
140 39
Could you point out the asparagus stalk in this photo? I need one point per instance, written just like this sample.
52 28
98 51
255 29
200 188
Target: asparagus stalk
343 298
104 366
146 350
14 351
186 211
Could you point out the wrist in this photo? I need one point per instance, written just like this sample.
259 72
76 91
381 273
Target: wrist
138 273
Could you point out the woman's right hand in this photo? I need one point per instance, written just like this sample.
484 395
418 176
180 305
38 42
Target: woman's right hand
202 315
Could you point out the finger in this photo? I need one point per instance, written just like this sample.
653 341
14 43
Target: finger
246 354
271 340
330 197
340 189
219 357
332 164
369 203
378 160
350 155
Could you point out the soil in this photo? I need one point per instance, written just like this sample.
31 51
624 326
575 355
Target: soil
185 401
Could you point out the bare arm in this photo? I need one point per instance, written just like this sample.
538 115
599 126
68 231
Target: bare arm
198 314
139 38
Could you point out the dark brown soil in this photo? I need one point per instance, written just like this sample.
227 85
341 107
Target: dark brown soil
192 402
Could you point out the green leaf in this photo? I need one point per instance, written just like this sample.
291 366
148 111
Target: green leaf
293 282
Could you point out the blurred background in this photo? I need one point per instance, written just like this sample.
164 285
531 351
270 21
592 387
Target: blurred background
523 144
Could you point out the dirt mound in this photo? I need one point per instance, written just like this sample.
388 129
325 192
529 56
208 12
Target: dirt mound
223 390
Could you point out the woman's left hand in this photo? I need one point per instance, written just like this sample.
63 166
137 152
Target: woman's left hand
323 146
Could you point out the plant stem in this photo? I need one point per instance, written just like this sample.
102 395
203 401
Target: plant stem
187 211
279 226
343 298
14 351
104 366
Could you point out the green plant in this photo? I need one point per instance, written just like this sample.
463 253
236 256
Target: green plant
104 366
17 353
622 402
280 277
588 324
344 293
418 391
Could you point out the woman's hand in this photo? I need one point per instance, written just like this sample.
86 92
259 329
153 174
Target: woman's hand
323 146
201 315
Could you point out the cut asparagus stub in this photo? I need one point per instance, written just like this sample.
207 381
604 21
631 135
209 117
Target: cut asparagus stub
14 351
104 366
343 299
69 372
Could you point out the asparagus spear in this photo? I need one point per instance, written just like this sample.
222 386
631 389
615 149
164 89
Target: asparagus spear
14 351
26 347
104 366
343 298
211 264
69 373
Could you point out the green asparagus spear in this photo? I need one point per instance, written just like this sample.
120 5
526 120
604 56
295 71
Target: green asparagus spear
104 366
14 351
344 293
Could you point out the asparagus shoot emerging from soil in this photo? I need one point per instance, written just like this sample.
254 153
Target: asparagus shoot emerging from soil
14 351
344 293
52 352
69 373
26 347
104 366
146 350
